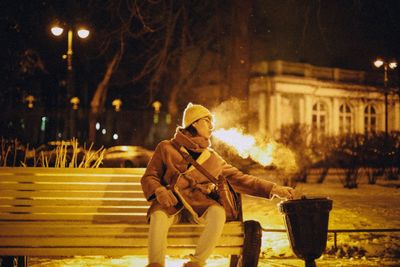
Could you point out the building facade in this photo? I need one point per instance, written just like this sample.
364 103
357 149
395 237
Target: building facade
332 101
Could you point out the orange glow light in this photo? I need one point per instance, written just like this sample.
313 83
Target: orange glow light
246 146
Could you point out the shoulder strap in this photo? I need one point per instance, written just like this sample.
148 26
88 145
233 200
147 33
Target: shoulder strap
189 159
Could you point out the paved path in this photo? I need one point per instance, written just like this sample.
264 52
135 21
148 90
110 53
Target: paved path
215 262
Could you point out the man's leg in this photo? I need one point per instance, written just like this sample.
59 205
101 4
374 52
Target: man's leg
160 222
214 219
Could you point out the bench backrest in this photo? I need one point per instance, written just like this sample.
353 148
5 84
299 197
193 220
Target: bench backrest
71 194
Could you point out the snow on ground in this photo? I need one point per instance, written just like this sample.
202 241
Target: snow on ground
369 206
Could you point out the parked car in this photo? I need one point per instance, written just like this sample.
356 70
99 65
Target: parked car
126 156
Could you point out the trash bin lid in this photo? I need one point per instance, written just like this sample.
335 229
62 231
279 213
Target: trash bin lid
306 204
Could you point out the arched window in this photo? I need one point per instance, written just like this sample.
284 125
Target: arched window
345 119
369 119
319 117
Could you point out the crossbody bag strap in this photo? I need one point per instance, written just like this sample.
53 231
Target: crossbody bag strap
189 159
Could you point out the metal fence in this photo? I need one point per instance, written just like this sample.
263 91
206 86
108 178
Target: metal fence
336 231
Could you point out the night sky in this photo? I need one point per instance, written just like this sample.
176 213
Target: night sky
333 33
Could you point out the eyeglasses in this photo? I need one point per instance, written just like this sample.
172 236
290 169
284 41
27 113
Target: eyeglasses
209 122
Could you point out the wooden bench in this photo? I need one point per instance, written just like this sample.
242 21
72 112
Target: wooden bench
67 212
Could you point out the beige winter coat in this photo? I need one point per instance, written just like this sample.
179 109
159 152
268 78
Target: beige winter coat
168 168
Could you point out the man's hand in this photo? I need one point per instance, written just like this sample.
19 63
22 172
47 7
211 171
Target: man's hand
165 197
283 192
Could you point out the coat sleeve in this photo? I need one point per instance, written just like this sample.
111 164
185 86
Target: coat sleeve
245 183
155 170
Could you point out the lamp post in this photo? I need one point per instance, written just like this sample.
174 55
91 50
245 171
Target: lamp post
83 33
386 66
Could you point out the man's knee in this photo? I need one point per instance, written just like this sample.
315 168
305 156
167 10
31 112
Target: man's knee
159 215
216 213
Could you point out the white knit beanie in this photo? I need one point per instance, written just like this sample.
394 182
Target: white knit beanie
194 112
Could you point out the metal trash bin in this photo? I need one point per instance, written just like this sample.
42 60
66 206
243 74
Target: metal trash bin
306 222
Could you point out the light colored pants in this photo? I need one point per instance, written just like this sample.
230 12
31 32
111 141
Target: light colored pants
160 222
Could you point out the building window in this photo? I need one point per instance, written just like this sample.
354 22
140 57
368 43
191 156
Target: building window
369 119
345 119
319 116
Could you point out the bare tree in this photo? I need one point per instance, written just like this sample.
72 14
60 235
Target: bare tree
99 97
175 37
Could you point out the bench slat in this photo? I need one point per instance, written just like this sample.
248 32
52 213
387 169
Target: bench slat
232 224
92 235
74 202
70 229
42 171
70 194
74 209
110 217
173 251
72 186
73 179
103 241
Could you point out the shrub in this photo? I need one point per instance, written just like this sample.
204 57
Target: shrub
295 137
310 152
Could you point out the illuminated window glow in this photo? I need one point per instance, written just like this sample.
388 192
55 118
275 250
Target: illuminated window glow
369 119
345 119
319 118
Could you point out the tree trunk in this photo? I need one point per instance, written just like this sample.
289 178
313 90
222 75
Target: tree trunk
173 107
99 97
239 67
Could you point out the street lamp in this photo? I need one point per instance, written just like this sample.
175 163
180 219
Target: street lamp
386 65
81 32
30 99
75 102
58 30
156 105
117 103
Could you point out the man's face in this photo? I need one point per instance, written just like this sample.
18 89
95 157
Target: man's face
204 127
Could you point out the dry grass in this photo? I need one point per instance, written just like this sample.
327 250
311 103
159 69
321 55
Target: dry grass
67 154
9 151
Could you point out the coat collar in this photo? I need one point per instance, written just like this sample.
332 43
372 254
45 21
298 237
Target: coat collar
193 143
201 159
197 144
